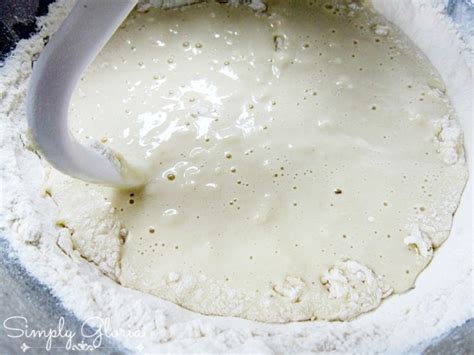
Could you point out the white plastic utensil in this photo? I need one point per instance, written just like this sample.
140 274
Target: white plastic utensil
83 34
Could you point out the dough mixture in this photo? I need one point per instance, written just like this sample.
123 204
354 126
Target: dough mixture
308 162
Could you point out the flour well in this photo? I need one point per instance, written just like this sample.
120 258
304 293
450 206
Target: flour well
171 328
281 143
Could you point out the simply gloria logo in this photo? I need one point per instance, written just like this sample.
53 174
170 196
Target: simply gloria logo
60 337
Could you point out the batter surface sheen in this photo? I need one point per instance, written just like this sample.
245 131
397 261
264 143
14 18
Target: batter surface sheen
307 160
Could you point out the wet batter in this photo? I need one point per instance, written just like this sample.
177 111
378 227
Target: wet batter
307 160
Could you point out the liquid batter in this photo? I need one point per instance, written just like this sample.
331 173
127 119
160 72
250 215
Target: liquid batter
307 160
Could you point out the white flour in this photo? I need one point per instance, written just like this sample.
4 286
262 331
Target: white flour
439 301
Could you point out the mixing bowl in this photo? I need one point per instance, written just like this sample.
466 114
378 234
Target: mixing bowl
22 294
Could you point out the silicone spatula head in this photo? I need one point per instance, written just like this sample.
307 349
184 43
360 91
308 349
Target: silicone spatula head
83 34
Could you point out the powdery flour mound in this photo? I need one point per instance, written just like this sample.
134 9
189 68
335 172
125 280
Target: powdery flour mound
45 246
